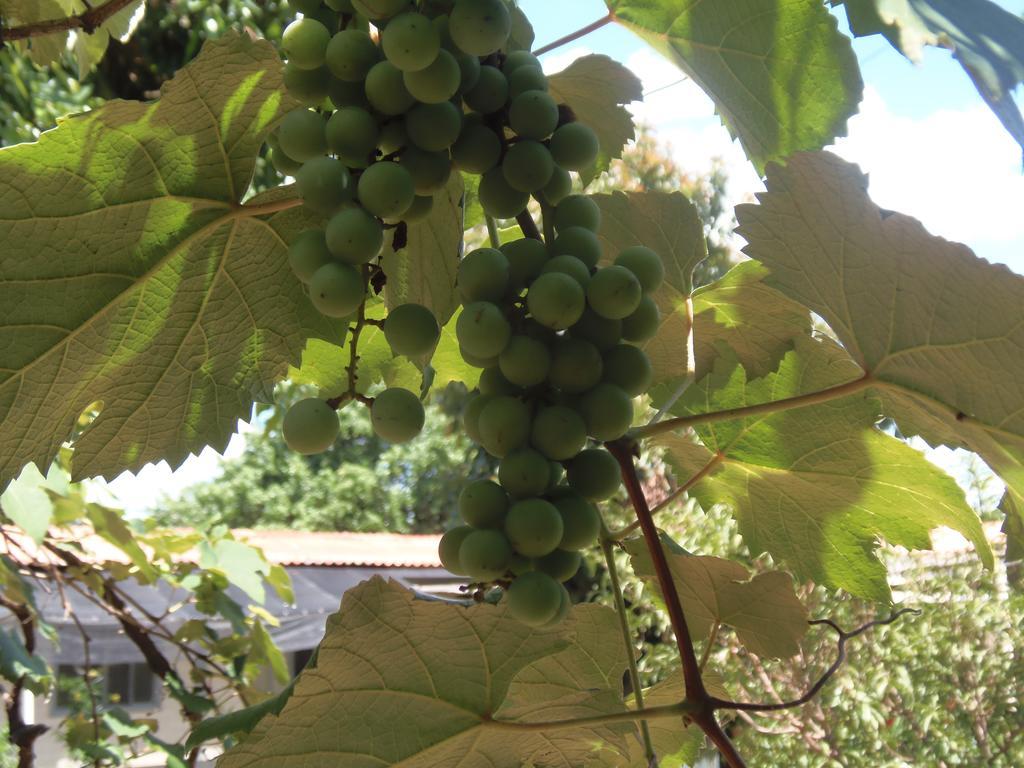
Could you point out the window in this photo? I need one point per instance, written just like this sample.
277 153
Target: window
300 659
122 684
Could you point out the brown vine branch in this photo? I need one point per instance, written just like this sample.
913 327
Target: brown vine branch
353 360
23 735
573 36
87 21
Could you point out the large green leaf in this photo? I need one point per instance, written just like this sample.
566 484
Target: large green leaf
131 275
419 683
817 486
782 76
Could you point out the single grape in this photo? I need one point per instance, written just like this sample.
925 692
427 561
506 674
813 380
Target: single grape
576 365
419 210
581 522
304 42
645 264
324 184
534 527
534 599
341 6
560 565
525 361
469 69
310 86
327 17
571 266
479 27
430 171
533 114
527 166
386 189
351 54
607 410
526 79
336 290
397 415
490 92
352 134
579 242
574 146
437 82
483 504
385 89
493 382
628 367
379 9
354 236
526 258
557 189
498 199
594 474
524 473
477 149
599 331
643 323
504 425
482 329
477 361
302 135
343 93
411 329
448 549
516 59
614 292
557 473
471 415
558 432
555 300
577 211
282 163
310 426
518 564
433 127
485 555
564 606
483 275
307 253
304 7
410 42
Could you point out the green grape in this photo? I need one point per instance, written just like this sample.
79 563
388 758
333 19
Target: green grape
579 242
430 171
433 127
469 70
576 365
477 361
485 555
352 134
351 54
628 367
607 410
645 264
581 522
340 6
354 236
525 361
410 42
643 323
392 137
493 382
577 211
557 189
310 86
343 93
411 329
558 432
534 527
560 565
386 189
599 331
471 415
498 199
526 79
574 146
380 9
489 93
533 115
479 27
614 292
478 148
555 300
327 17
564 606
526 258
519 565
482 329
527 166
304 42
420 209
397 415
448 549
524 472
534 599
557 472
336 290
305 7
302 135
324 184
595 475
483 275
504 425
310 426
483 504
282 163
385 89
516 59
571 266
437 82
307 253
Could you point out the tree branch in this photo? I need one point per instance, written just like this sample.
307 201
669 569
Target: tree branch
87 21
23 735
572 36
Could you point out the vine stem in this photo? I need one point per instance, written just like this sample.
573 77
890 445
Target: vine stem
275 206
572 36
528 225
682 709
492 231
87 21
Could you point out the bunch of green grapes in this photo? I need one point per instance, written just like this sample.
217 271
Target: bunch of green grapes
555 335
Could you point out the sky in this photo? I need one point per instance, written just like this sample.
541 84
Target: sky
930 146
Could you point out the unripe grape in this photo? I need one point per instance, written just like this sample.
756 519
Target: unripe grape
558 188
386 189
341 6
307 253
516 59
574 146
410 42
525 361
533 114
397 415
614 292
282 163
595 475
350 55
419 210
571 266
519 564
352 134
301 135
493 382
477 149
607 410
327 17
533 527
602 332
558 432
344 93
485 555
498 199
385 89
324 184
392 136
526 258
310 426
560 565
336 290
483 275
477 361
628 367
490 93
411 329
576 365
645 264
430 171
579 242
555 300
524 473
534 599
482 329
564 606
437 82
304 7
354 236
504 425
380 9
557 472
483 504
577 211
527 166
526 79
304 42
469 70
471 415
479 27
643 323
310 86
581 522
433 127
448 549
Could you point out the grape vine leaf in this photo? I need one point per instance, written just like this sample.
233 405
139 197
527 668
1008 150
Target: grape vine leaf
987 41
817 486
939 331
423 683
1013 529
447 361
131 274
764 610
782 76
